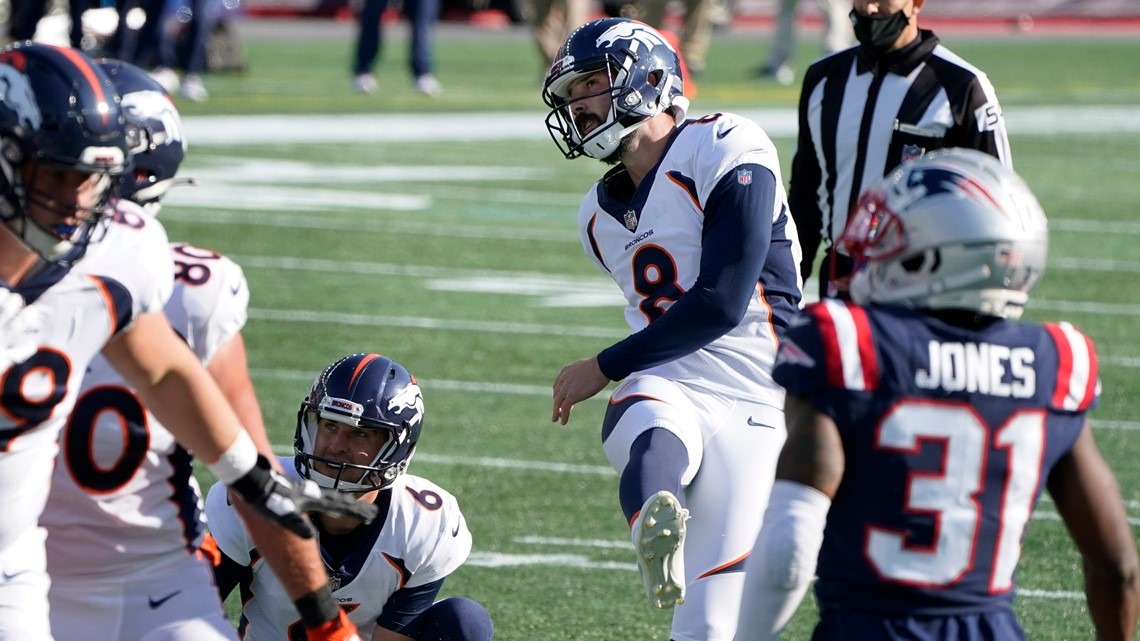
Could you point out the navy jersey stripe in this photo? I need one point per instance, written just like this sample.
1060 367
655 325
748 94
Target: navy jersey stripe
594 241
119 302
186 497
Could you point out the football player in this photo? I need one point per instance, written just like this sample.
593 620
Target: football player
692 225
923 424
63 145
356 432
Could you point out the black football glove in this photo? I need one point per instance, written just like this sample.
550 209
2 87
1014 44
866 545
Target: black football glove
283 501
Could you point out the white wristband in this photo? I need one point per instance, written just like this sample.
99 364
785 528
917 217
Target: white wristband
238 459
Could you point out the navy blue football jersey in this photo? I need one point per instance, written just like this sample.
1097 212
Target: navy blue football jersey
949 435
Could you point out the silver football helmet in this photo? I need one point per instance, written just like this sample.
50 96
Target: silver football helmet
954 229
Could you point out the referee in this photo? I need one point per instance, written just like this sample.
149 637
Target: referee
866 109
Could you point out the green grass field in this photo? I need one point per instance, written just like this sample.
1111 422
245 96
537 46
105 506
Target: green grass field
460 259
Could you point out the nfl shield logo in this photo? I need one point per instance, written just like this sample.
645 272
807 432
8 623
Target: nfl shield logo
334 582
910 152
744 176
630 219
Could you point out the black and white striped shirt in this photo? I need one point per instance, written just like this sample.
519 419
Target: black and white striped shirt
859 118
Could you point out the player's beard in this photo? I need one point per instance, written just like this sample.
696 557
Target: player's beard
623 146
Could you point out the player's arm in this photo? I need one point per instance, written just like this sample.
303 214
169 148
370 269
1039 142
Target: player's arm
1089 501
295 561
229 367
734 247
399 620
176 387
782 563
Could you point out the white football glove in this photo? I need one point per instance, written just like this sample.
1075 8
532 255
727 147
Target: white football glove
18 329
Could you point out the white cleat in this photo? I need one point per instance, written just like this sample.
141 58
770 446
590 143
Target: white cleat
364 83
659 536
428 85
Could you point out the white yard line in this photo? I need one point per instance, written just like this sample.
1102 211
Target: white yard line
527 125
423 322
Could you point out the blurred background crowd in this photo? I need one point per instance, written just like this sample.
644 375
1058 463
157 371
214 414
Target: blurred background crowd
179 41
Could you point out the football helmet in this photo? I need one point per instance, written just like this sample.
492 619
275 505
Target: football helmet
365 391
154 133
58 110
644 80
954 229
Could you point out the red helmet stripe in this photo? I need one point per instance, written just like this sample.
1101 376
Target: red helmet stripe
360 367
88 72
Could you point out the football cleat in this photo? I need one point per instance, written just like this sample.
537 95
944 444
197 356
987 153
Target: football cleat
659 537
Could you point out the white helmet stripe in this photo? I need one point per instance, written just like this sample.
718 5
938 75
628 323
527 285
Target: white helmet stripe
1076 386
848 348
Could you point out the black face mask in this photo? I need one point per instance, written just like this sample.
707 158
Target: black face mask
877 33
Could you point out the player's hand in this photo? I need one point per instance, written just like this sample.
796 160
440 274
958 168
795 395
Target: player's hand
284 501
18 324
576 382
339 629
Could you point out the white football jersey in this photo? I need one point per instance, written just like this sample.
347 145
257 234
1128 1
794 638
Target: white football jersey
127 273
661 242
421 539
123 497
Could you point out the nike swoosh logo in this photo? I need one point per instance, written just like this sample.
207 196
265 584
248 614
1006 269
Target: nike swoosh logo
755 424
234 289
8 576
157 603
721 134
455 532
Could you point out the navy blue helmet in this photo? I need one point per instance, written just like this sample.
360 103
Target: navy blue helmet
58 111
154 130
644 80
364 391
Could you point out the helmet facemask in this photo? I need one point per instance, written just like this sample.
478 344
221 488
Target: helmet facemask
952 231
644 80
52 224
58 114
604 139
363 392
373 475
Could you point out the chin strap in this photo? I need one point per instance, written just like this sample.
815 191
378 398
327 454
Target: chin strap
607 142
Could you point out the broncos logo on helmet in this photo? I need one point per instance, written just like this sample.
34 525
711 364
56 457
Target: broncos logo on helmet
408 399
19 98
645 79
154 131
365 392
639 36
